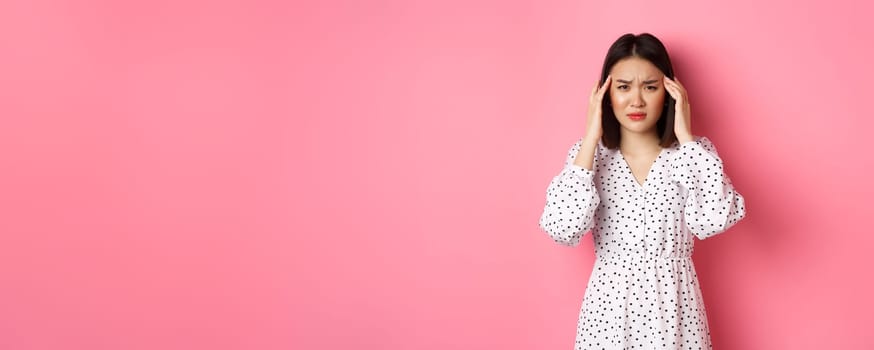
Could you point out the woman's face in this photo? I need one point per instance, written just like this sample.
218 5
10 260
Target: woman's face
637 94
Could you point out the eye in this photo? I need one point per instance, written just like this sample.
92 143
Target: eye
622 87
652 88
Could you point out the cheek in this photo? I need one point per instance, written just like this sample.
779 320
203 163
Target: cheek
658 97
618 103
616 99
657 101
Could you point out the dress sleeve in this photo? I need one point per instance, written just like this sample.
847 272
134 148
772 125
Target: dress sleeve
712 204
571 201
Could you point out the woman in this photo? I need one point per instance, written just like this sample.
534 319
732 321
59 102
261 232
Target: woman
643 185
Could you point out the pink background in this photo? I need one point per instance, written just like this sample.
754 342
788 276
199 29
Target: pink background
369 174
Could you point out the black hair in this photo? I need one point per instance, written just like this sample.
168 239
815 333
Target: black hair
648 47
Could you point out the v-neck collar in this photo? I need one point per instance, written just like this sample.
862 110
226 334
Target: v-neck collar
631 173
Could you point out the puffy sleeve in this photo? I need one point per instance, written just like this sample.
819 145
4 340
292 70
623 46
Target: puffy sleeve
571 201
712 204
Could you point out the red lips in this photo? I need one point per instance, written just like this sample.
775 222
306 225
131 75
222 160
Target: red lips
637 116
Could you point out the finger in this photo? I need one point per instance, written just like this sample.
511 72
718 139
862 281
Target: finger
679 84
669 83
672 82
672 90
676 82
606 83
677 89
604 87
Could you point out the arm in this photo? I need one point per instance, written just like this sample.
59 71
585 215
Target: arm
712 204
571 197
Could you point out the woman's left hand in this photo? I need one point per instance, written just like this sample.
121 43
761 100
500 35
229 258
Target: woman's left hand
682 114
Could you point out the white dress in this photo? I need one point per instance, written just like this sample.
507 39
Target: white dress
643 292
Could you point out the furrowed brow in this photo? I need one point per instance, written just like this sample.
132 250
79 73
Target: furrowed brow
648 82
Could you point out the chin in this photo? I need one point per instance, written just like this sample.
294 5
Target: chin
637 128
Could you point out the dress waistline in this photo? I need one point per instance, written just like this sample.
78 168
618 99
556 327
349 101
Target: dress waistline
642 257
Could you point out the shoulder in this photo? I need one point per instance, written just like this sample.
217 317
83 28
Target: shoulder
574 149
706 143
698 142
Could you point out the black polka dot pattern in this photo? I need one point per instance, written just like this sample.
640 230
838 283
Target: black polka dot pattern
643 292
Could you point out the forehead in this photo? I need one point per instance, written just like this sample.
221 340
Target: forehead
635 67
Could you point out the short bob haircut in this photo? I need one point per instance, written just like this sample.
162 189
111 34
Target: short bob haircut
648 47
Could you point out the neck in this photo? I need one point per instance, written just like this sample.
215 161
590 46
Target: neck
638 143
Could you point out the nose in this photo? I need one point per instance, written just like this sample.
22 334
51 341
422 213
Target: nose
637 99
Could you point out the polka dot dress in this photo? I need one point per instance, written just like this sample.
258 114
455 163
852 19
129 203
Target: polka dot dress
643 292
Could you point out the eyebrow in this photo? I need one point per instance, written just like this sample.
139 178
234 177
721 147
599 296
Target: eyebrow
653 81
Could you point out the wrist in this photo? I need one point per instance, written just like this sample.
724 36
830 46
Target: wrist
591 139
685 138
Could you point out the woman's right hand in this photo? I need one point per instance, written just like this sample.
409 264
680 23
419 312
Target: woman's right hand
593 125
585 158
